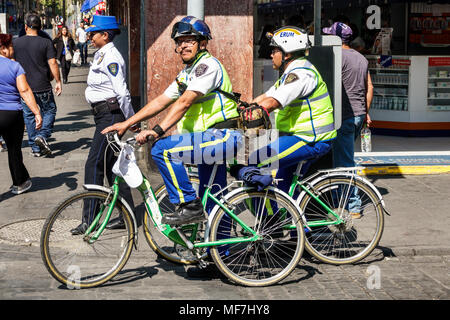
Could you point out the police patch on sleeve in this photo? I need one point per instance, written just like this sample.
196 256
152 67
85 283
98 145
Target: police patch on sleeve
201 69
291 77
113 68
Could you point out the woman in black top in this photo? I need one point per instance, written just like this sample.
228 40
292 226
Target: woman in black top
64 45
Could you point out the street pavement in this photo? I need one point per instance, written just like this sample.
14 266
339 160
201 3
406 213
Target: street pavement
411 262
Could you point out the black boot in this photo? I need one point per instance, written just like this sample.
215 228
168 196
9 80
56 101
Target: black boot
188 212
80 229
116 223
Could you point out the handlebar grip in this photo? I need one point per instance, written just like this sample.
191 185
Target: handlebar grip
150 138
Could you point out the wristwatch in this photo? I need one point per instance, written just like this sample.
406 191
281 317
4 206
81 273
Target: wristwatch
158 130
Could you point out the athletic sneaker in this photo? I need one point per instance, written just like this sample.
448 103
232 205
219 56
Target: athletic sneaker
22 188
42 143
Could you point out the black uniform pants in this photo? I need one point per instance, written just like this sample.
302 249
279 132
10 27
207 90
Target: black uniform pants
94 168
11 129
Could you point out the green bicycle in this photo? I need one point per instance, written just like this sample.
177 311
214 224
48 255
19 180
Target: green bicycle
334 234
248 244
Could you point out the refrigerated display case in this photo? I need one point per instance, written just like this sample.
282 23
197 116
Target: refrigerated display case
411 96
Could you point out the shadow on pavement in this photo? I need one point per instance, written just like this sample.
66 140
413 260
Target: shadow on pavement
47 183
74 116
124 276
61 148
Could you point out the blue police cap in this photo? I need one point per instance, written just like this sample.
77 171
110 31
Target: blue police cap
100 23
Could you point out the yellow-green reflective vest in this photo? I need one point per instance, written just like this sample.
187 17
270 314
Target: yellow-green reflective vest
309 118
211 108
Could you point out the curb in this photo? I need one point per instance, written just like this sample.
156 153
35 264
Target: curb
415 251
403 163
402 170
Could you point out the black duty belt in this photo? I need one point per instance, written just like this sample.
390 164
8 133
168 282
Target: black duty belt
227 124
108 105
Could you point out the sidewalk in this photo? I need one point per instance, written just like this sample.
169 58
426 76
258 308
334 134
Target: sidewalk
418 204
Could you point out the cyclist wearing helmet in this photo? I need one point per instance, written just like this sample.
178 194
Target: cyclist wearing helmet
203 116
302 107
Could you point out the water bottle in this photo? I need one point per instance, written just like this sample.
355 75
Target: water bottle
366 143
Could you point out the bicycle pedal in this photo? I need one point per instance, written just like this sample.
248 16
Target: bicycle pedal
202 264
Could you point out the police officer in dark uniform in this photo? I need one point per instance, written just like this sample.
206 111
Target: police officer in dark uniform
110 100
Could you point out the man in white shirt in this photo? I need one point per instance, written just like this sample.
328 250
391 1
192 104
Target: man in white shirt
82 42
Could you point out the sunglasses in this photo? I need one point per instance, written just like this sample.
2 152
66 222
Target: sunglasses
182 28
93 33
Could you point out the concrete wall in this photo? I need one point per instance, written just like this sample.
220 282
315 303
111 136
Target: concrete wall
231 24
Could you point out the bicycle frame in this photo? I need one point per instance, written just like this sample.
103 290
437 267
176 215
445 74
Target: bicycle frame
323 174
154 212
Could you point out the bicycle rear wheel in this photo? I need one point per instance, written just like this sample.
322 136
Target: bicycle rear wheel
162 245
271 258
71 259
359 233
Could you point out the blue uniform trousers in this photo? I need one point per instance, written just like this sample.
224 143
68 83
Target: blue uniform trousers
285 153
204 149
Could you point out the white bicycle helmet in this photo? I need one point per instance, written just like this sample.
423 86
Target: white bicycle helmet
290 39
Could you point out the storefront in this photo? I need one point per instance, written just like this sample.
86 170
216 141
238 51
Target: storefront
408 48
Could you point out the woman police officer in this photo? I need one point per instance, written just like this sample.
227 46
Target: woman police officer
110 100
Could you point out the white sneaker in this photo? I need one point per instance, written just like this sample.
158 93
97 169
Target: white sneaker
22 188
3 147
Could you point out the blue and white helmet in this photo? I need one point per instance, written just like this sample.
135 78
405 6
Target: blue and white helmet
289 39
191 26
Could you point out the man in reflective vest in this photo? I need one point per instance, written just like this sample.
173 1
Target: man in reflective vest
302 107
205 118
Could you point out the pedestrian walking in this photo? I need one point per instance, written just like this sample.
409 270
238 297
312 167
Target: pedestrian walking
357 93
82 40
41 33
110 100
37 57
13 86
65 47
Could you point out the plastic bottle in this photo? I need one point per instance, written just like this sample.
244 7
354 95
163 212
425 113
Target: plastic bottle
366 139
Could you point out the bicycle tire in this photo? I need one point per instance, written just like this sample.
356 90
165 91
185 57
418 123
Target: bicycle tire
159 243
355 238
281 250
73 261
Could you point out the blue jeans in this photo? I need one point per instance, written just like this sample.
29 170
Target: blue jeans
47 105
83 51
344 152
344 144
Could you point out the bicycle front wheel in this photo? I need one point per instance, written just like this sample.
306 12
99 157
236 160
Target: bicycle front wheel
280 243
71 259
362 220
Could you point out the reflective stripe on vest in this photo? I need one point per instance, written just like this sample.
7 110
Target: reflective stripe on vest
309 118
211 108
